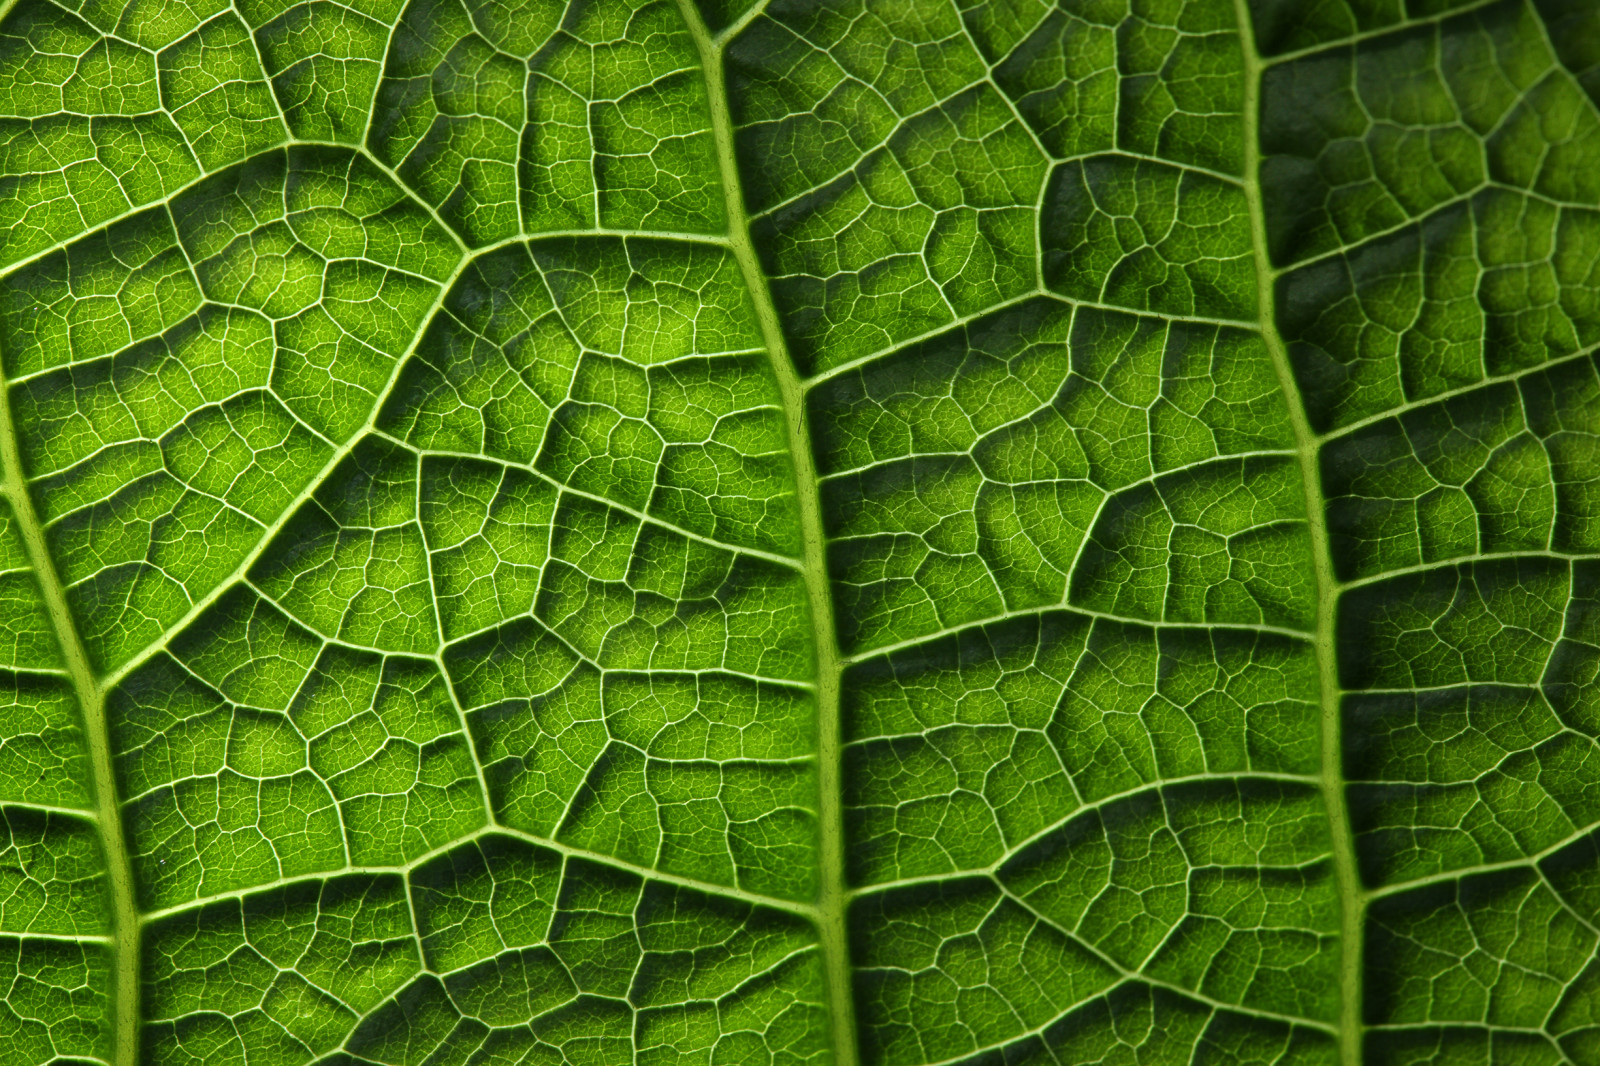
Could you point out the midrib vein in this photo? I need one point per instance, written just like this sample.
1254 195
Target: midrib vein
1346 876
832 897
91 698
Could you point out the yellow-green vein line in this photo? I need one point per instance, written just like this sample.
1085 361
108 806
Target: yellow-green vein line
832 897
91 700
1346 875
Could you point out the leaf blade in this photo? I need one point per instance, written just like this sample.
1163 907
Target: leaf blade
904 535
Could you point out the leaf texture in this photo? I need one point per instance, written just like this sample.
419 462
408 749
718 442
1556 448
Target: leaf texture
883 532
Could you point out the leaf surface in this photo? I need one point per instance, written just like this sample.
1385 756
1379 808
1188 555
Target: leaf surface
891 533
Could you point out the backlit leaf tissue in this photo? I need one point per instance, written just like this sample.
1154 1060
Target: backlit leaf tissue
856 532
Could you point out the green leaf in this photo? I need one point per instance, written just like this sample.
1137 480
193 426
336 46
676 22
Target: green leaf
883 532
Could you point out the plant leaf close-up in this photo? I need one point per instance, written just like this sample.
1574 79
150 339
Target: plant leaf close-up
871 532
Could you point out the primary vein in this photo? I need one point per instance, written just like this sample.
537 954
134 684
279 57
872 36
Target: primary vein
1346 875
91 700
832 898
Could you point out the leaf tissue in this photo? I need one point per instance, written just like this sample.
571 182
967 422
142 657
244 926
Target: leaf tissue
870 532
